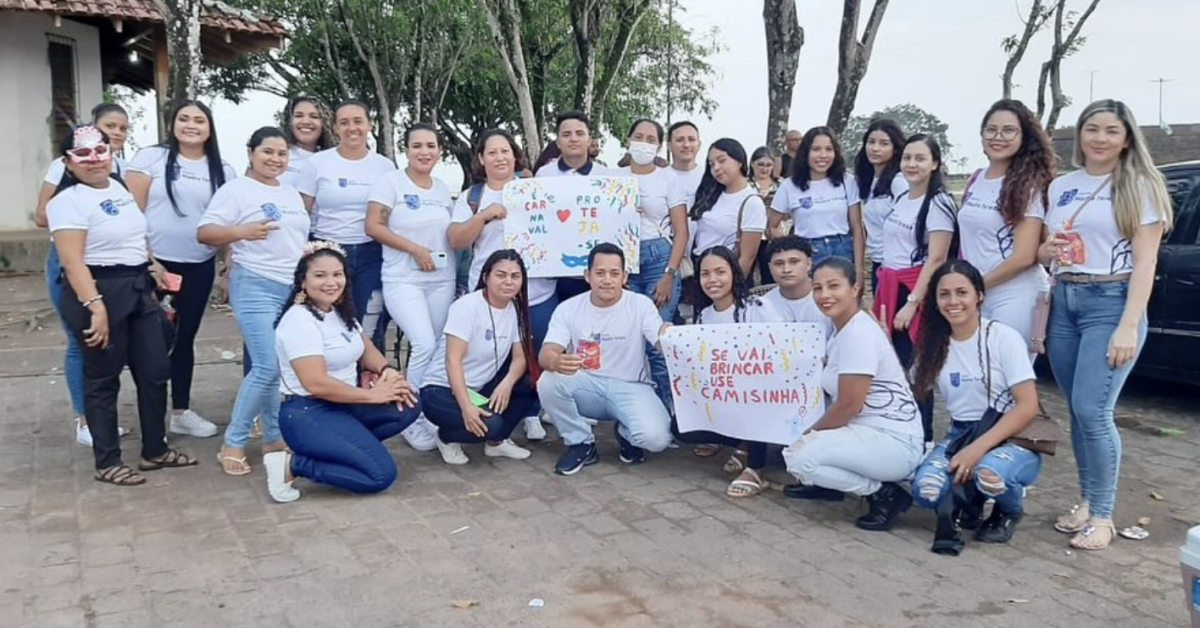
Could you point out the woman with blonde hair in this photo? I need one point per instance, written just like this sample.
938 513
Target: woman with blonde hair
1103 227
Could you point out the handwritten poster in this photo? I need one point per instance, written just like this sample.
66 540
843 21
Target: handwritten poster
760 382
555 222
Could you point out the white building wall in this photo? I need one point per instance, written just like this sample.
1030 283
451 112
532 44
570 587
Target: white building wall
25 118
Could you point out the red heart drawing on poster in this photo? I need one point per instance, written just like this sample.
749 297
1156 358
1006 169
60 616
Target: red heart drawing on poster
564 215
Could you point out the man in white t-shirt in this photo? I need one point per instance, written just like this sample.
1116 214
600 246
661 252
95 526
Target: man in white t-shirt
791 262
594 366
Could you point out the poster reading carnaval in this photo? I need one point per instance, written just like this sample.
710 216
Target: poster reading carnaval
555 222
759 382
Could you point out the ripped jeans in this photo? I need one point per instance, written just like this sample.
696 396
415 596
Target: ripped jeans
1002 474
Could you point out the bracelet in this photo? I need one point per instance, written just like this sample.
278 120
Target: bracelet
673 271
88 302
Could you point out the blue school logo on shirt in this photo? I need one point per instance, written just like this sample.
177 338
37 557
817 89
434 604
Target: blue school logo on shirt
956 379
412 201
1067 197
806 202
343 182
271 212
109 208
488 335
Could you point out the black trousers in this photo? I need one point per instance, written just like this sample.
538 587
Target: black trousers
190 305
441 408
137 339
907 353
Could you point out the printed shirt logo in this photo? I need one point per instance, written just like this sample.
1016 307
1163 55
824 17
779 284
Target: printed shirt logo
343 182
956 379
1067 197
806 202
488 335
110 208
271 212
412 201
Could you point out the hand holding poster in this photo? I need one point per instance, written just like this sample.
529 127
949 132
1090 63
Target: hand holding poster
555 222
759 382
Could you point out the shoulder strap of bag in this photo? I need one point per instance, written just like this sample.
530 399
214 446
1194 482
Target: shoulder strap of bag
986 334
971 181
1095 193
474 196
741 212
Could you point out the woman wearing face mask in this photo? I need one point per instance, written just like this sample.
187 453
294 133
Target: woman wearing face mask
265 224
112 120
478 388
822 200
1105 223
110 306
307 131
727 212
764 181
174 183
877 172
1002 211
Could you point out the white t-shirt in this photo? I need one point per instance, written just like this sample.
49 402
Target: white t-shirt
821 210
57 169
622 329
173 237
245 201
302 335
961 380
802 310
116 228
719 225
900 229
419 215
552 169
756 311
1108 252
653 192
682 190
987 238
861 348
340 188
489 333
297 157
491 239
875 211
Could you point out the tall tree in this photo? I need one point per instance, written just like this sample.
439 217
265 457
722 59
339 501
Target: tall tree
504 23
911 118
369 54
181 21
1067 41
1015 45
592 84
785 38
854 54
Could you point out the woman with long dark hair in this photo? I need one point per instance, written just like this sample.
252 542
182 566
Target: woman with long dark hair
727 211
1000 222
306 122
478 388
173 183
982 369
822 200
265 224
877 173
1104 228
110 306
334 429
918 235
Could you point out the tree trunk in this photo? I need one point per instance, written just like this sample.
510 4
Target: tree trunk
181 22
331 57
1063 47
1032 25
785 38
386 124
504 23
854 55
629 19
586 17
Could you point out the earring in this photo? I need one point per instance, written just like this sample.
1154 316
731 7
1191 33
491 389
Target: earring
301 297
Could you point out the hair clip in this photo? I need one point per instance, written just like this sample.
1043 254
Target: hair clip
323 245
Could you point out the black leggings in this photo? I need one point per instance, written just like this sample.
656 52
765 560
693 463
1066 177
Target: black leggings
907 352
190 304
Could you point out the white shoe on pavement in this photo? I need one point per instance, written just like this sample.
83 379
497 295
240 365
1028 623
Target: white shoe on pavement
192 424
506 449
452 453
421 435
533 429
83 434
280 490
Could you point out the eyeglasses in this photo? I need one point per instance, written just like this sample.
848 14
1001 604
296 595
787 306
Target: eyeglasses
1007 133
97 153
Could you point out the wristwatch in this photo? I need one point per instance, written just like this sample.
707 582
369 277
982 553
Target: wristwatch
673 271
912 298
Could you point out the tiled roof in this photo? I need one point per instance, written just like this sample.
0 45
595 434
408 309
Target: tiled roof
213 13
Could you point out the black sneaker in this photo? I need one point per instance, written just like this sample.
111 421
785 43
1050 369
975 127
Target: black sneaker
815 493
999 527
575 458
629 453
887 504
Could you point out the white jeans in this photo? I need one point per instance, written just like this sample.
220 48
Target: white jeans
420 311
853 459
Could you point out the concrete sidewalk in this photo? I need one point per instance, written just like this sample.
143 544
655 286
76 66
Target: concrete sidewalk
652 545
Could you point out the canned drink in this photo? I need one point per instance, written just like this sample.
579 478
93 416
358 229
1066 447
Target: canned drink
589 351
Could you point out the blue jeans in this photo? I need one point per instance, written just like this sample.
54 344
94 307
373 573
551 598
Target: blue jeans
539 320
441 408
1015 467
364 265
73 364
341 444
257 303
1083 318
655 254
642 418
841 245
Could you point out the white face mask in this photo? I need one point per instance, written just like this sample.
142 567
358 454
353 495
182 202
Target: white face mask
642 153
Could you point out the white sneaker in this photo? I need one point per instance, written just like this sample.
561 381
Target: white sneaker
452 453
506 449
192 424
280 490
533 429
83 434
421 435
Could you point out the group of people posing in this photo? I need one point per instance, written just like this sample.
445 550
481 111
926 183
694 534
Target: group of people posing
326 242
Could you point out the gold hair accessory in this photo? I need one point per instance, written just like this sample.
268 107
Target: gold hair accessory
301 297
322 245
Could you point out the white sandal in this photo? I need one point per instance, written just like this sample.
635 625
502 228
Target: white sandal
1075 521
740 488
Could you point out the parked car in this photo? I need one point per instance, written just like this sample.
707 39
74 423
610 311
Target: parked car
1172 349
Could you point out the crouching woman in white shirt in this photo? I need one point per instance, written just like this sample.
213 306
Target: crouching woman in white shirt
983 371
109 305
335 429
468 392
870 436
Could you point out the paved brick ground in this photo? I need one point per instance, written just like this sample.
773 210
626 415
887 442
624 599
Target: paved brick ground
652 545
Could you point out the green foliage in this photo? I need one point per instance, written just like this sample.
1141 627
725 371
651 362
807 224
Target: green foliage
911 118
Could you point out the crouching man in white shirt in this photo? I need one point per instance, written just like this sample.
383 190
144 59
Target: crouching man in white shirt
594 362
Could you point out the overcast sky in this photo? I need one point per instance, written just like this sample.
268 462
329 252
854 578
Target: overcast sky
942 55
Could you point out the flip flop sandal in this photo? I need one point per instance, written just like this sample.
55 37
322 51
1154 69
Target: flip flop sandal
1075 521
170 460
120 475
706 451
740 488
243 468
736 462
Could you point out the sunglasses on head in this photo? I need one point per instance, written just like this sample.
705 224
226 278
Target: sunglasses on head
97 153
